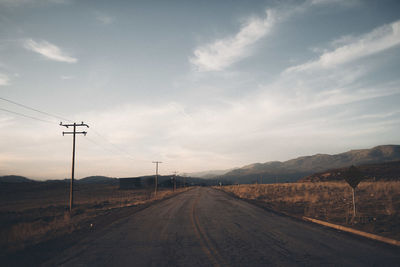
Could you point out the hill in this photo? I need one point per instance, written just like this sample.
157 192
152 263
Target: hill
292 170
376 172
207 174
15 179
166 180
98 180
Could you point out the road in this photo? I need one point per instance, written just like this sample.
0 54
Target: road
207 227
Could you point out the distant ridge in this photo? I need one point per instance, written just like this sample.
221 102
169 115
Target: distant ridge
207 174
294 169
15 179
98 180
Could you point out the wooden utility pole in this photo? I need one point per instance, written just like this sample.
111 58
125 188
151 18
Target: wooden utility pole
74 132
175 173
156 178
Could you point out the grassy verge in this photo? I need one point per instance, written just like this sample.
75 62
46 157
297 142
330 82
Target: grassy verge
378 203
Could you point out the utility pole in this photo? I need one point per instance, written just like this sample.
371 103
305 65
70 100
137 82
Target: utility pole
74 132
175 173
155 188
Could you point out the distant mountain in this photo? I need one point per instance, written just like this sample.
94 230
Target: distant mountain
15 179
98 180
167 180
294 169
208 174
375 172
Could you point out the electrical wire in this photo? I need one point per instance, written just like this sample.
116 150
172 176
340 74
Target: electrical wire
65 119
114 145
34 109
97 144
26 116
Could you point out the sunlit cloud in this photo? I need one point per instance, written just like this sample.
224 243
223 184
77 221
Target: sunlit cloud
224 52
49 51
378 40
4 79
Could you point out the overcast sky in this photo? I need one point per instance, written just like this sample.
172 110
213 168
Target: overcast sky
198 85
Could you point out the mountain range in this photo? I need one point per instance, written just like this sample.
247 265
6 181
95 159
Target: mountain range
275 171
295 169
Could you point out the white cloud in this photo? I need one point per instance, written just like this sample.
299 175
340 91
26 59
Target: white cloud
49 51
224 52
104 19
4 80
67 77
378 40
333 2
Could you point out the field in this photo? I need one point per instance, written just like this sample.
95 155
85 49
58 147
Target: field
34 213
378 203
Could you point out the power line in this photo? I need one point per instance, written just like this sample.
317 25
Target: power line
97 144
114 145
107 149
34 109
65 119
26 116
59 117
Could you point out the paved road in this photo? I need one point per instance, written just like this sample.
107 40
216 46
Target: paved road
206 227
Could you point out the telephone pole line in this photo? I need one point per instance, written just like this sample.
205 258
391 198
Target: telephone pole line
74 132
175 173
156 178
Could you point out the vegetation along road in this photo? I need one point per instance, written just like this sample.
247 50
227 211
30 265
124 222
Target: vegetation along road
207 227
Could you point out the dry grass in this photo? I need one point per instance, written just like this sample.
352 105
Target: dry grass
33 215
378 203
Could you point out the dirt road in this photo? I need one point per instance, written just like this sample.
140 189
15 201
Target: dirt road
206 227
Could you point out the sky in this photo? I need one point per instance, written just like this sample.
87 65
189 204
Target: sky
198 85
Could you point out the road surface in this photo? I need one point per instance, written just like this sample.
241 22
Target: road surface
207 227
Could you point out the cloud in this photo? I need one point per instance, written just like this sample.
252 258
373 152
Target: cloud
4 80
32 3
104 19
332 2
378 40
67 77
49 51
224 52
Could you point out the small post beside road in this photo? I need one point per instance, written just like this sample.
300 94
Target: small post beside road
156 178
74 132
353 177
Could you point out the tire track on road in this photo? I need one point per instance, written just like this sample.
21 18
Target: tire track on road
206 245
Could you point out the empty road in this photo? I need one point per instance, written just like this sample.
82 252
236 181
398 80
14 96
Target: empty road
206 227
